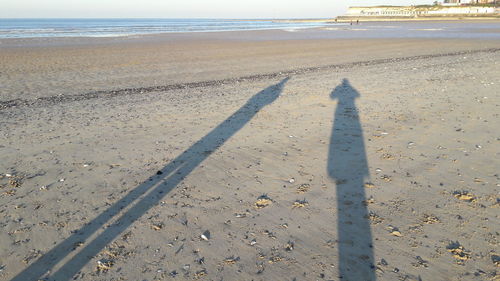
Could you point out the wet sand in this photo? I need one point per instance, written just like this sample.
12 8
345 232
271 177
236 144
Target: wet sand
33 68
228 157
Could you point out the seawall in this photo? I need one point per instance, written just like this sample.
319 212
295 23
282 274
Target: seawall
420 13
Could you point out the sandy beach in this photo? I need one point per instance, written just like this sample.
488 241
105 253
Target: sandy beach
257 155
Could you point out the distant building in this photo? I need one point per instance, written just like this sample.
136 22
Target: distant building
459 2
413 12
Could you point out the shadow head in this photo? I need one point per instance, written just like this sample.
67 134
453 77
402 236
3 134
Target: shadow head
344 91
268 95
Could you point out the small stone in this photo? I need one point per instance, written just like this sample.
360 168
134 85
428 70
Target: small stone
303 188
496 260
429 219
14 183
275 259
386 178
420 262
368 201
374 218
205 235
464 196
200 273
300 203
458 252
369 185
231 260
104 265
394 231
157 226
263 201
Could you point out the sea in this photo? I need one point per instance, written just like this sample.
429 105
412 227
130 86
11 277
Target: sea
31 28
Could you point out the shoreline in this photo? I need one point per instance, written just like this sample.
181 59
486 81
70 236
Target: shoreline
167 33
44 67
341 21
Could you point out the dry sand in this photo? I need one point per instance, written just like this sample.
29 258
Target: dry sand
361 160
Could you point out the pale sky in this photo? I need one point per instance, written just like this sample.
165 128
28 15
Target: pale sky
185 8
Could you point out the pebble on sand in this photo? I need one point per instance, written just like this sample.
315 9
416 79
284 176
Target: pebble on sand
231 260
429 219
303 188
369 185
104 265
300 203
394 231
263 201
464 196
458 251
205 235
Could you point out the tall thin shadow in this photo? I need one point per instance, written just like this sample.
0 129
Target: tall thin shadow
143 197
348 166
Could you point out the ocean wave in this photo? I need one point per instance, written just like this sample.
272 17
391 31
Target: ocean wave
17 28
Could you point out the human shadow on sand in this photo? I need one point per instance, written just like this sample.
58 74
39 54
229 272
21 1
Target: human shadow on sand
142 198
348 166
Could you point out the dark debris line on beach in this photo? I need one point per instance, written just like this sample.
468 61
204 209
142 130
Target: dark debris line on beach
133 91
